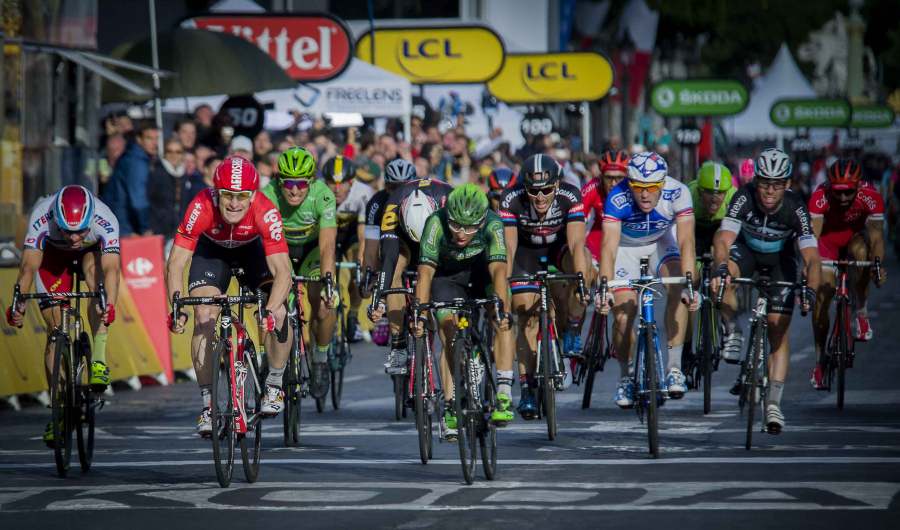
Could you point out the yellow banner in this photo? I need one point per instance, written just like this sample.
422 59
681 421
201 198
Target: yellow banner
460 54
553 78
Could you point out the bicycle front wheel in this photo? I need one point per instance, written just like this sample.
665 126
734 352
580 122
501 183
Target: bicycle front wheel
421 389
61 402
222 414
251 384
487 437
464 406
85 403
549 351
292 399
706 353
842 325
337 374
651 382
591 361
752 380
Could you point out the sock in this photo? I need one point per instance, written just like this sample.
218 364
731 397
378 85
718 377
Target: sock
504 382
623 368
98 352
775 390
675 356
863 310
206 395
275 376
320 355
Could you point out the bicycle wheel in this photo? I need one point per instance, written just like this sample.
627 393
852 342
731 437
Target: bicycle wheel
843 351
548 385
292 399
706 353
85 403
61 405
592 352
222 414
423 418
337 375
399 382
651 384
464 404
487 437
751 381
250 388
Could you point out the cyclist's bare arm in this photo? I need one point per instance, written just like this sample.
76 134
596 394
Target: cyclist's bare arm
361 237
423 283
575 233
612 234
875 235
500 280
111 264
684 232
818 222
175 267
280 267
721 246
511 235
370 255
31 262
327 243
813 267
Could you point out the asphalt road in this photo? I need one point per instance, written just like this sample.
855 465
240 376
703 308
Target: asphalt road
358 468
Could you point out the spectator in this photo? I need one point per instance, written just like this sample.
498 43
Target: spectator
262 146
209 169
170 189
265 173
203 120
423 167
115 148
241 146
126 191
186 133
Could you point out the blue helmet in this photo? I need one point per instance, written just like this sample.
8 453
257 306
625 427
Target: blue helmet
648 167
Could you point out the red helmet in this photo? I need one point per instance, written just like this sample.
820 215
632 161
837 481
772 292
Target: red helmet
73 208
236 173
844 175
613 160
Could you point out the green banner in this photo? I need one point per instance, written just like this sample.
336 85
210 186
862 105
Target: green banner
872 117
810 112
699 97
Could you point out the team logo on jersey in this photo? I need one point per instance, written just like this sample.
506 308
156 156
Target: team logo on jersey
272 219
237 166
671 195
620 200
389 219
195 214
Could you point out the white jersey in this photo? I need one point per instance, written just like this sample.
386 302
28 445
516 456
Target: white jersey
639 228
43 230
353 209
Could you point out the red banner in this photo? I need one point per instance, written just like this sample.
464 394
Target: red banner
144 270
308 48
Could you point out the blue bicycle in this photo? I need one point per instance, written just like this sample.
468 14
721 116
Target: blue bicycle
650 390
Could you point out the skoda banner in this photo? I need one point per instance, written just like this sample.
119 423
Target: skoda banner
440 54
553 78
699 97
872 117
810 112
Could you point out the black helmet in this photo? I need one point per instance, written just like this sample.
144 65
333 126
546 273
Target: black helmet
539 171
339 169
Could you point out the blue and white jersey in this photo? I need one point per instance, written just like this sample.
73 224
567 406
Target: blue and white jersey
639 228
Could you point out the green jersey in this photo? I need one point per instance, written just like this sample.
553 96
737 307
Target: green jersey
302 223
438 249
701 217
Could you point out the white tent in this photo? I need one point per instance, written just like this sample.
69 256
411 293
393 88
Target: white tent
783 79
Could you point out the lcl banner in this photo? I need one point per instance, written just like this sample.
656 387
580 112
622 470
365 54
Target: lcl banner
307 47
553 78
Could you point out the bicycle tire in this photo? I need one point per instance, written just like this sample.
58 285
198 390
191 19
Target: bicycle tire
293 399
399 389
85 402
343 355
706 355
61 403
222 415
251 441
594 345
487 438
548 386
652 385
842 325
751 382
462 403
423 418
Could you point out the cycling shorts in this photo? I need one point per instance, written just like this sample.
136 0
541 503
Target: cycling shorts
833 245
212 265
782 267
528 261
467 284
57 270
628 259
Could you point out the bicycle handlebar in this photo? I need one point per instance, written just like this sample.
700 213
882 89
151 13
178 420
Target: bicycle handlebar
547 277
100 293
875 265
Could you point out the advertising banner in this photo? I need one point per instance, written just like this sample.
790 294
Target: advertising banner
810 112
553 78
872 117
699 97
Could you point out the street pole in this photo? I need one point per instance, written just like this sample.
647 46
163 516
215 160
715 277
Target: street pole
585 127
856 27
154 46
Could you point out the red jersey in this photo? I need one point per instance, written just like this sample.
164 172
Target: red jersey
841 224
203 218
593 197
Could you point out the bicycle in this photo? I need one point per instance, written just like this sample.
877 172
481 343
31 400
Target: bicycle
475 386
296 379
237 385
340 354
402 383
707 353
839 350
597 350
755 367
551 372
650 390
73 403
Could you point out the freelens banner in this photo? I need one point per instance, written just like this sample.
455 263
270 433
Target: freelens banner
552 78
307 47
699 97
435 54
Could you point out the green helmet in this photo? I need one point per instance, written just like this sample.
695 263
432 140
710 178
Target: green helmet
467 205
297 163
714 177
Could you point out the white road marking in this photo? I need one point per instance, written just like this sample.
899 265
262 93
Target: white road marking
319 495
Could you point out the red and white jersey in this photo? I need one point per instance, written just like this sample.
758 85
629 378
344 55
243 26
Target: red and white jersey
593 197
203 218
42 228
868 206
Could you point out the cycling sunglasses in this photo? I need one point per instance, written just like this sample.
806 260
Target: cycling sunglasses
771 184
463 229
290 183
545 191
227 195
650 187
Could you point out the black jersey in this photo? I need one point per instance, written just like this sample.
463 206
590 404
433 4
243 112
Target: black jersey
768 233
534 231
374 213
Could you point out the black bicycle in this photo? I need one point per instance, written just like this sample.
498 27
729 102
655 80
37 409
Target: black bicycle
73 403
707 345
597 350
296 379
340 353
402 382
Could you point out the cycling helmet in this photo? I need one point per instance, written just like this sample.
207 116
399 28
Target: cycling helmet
236 173
398 171
73 208
297 162
415 210
648 168
467 205
773 164
714 177
747 170
539 171
338 170
500 179
844 174
614 160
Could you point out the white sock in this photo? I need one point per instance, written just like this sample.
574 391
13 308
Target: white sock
675 356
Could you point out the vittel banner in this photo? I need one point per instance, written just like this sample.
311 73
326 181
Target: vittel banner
307 47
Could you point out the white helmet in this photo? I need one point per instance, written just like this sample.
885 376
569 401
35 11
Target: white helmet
773 164
647 167
415 210
399 170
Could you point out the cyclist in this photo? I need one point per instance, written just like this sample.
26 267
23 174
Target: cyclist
637 221
711 192
228 226
463 253
764 220
402 223
613 168
308 209
351 196
847 218
71 230
544 220
500 178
